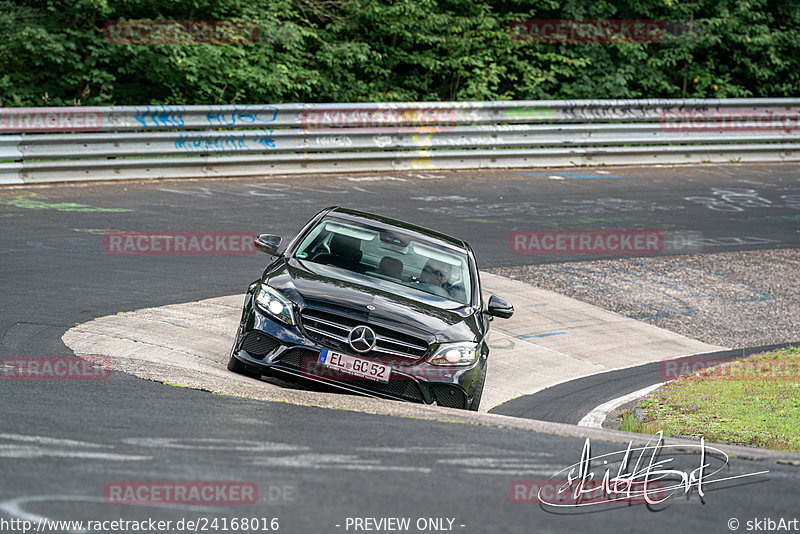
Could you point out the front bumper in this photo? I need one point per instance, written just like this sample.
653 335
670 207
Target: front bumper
270 346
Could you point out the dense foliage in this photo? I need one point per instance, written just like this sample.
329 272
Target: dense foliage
54 52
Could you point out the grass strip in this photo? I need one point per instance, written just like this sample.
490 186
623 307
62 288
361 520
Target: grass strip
752 401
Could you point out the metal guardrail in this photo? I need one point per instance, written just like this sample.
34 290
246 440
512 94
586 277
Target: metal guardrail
62 144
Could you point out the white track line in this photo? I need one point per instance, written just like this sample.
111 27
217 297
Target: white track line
596 417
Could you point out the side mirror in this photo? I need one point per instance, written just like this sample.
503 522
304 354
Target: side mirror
499 307
268 243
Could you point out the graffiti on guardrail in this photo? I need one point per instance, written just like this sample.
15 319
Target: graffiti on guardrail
333 140
160 116
593 111
382 141
425 136
247 115
216 116
223 141
410 128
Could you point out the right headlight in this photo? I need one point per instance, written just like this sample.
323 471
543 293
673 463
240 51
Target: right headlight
274 303
455 354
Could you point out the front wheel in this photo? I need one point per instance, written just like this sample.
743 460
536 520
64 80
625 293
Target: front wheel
238 367
476 398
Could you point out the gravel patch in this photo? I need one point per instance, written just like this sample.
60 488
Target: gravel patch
733 299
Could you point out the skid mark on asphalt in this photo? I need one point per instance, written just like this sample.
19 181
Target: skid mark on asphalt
451 450
347 462
477 459
505 465
22 446
212 444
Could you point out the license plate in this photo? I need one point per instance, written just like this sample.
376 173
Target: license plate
355 366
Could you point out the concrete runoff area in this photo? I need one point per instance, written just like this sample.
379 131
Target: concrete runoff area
550 339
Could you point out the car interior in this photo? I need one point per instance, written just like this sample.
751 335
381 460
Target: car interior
333 247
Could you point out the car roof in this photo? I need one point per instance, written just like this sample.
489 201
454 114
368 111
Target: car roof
351 214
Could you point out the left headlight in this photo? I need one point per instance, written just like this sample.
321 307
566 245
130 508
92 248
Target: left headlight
464 353
274 303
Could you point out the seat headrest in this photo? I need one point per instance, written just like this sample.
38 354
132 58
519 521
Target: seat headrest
391 266
346 247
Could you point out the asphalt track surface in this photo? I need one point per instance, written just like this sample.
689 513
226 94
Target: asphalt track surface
61 442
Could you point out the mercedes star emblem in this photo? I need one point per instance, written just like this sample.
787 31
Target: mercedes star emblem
362 338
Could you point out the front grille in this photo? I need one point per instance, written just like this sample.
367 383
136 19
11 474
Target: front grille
306 361
404 388
450 396
259 344
332 330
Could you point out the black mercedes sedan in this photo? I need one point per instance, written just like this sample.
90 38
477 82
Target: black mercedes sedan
371 305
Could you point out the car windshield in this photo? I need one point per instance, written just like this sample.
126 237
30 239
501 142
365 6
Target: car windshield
408 260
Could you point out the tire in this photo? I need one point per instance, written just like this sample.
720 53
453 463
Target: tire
238 367
476 398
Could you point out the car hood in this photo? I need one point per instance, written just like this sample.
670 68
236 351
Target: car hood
330 288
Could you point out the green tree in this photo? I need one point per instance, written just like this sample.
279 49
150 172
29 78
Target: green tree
54 52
